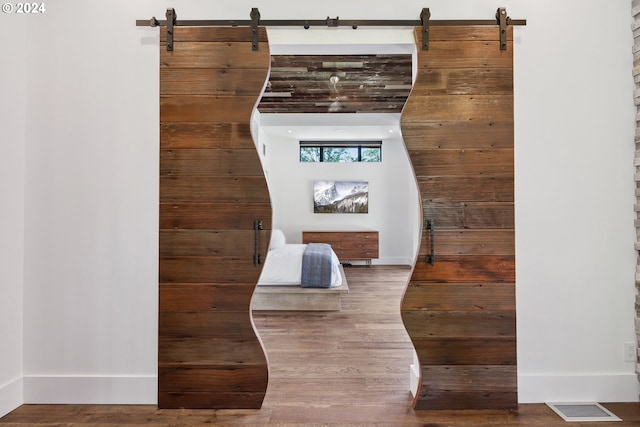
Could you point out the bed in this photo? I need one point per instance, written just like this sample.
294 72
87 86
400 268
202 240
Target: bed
293 279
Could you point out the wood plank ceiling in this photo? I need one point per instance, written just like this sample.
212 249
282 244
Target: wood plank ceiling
337 84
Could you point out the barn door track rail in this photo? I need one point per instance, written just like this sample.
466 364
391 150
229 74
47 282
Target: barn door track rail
425 21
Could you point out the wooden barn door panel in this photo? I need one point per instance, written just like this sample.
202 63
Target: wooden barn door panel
212 189
458 129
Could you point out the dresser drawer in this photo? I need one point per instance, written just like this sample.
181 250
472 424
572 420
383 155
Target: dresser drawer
348 245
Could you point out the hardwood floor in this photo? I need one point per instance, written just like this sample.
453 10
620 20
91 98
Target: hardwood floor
347 368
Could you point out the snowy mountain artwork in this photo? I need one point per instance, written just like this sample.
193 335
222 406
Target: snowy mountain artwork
341 197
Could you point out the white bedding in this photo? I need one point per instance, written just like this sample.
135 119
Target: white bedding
283 267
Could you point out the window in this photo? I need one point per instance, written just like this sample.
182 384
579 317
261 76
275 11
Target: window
340 151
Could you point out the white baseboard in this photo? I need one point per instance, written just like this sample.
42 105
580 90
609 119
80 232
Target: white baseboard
11 396
105 390
392 261
614 387
142 390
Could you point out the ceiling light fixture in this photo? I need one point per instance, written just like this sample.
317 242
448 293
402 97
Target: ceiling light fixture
334 81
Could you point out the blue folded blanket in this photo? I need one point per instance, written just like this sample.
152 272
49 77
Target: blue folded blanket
316 266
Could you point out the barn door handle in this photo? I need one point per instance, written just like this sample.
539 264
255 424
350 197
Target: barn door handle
257 226
431 256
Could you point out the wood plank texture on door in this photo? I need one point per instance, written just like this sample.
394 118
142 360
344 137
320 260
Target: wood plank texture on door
458 129
212 189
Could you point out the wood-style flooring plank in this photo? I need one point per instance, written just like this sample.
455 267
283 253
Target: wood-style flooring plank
527 415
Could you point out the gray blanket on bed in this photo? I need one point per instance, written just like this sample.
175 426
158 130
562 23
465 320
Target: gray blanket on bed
316 266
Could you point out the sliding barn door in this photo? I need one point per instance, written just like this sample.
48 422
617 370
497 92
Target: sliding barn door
459 310
212 195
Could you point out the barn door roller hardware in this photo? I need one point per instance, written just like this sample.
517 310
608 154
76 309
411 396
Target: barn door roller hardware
425 15
425 22
501 16
255 21
171 21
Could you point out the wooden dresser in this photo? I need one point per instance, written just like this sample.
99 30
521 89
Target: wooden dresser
348 245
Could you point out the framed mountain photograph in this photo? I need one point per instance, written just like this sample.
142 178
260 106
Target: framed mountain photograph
341 197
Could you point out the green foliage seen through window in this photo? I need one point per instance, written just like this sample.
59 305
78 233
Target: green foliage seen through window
340 154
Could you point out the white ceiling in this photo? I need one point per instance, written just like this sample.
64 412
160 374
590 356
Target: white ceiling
340 41
330 126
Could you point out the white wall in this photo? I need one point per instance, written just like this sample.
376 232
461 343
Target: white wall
574 202
90 216
393 196
91 205
12 171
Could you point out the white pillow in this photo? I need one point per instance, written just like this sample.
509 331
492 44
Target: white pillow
277 239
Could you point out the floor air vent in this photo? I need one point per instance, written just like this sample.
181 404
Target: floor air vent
583 411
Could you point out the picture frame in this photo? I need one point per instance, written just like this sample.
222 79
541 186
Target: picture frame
341 197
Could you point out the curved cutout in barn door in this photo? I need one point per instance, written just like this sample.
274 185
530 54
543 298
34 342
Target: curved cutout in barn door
213 196
459 309
458 130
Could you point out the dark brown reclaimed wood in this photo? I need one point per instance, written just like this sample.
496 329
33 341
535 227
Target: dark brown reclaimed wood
214 54
208 34
448 107
470 134
212 399
463 324
201 269
190 379
461 241
366 83
218 353
212 189
460 296
460 311
481 81
464 162
348 245
470 215
204 297
213 215
486 188
252 189
464 33
216 162
185 108
202 135
467 351
465 268
205 324
205 242
207 81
